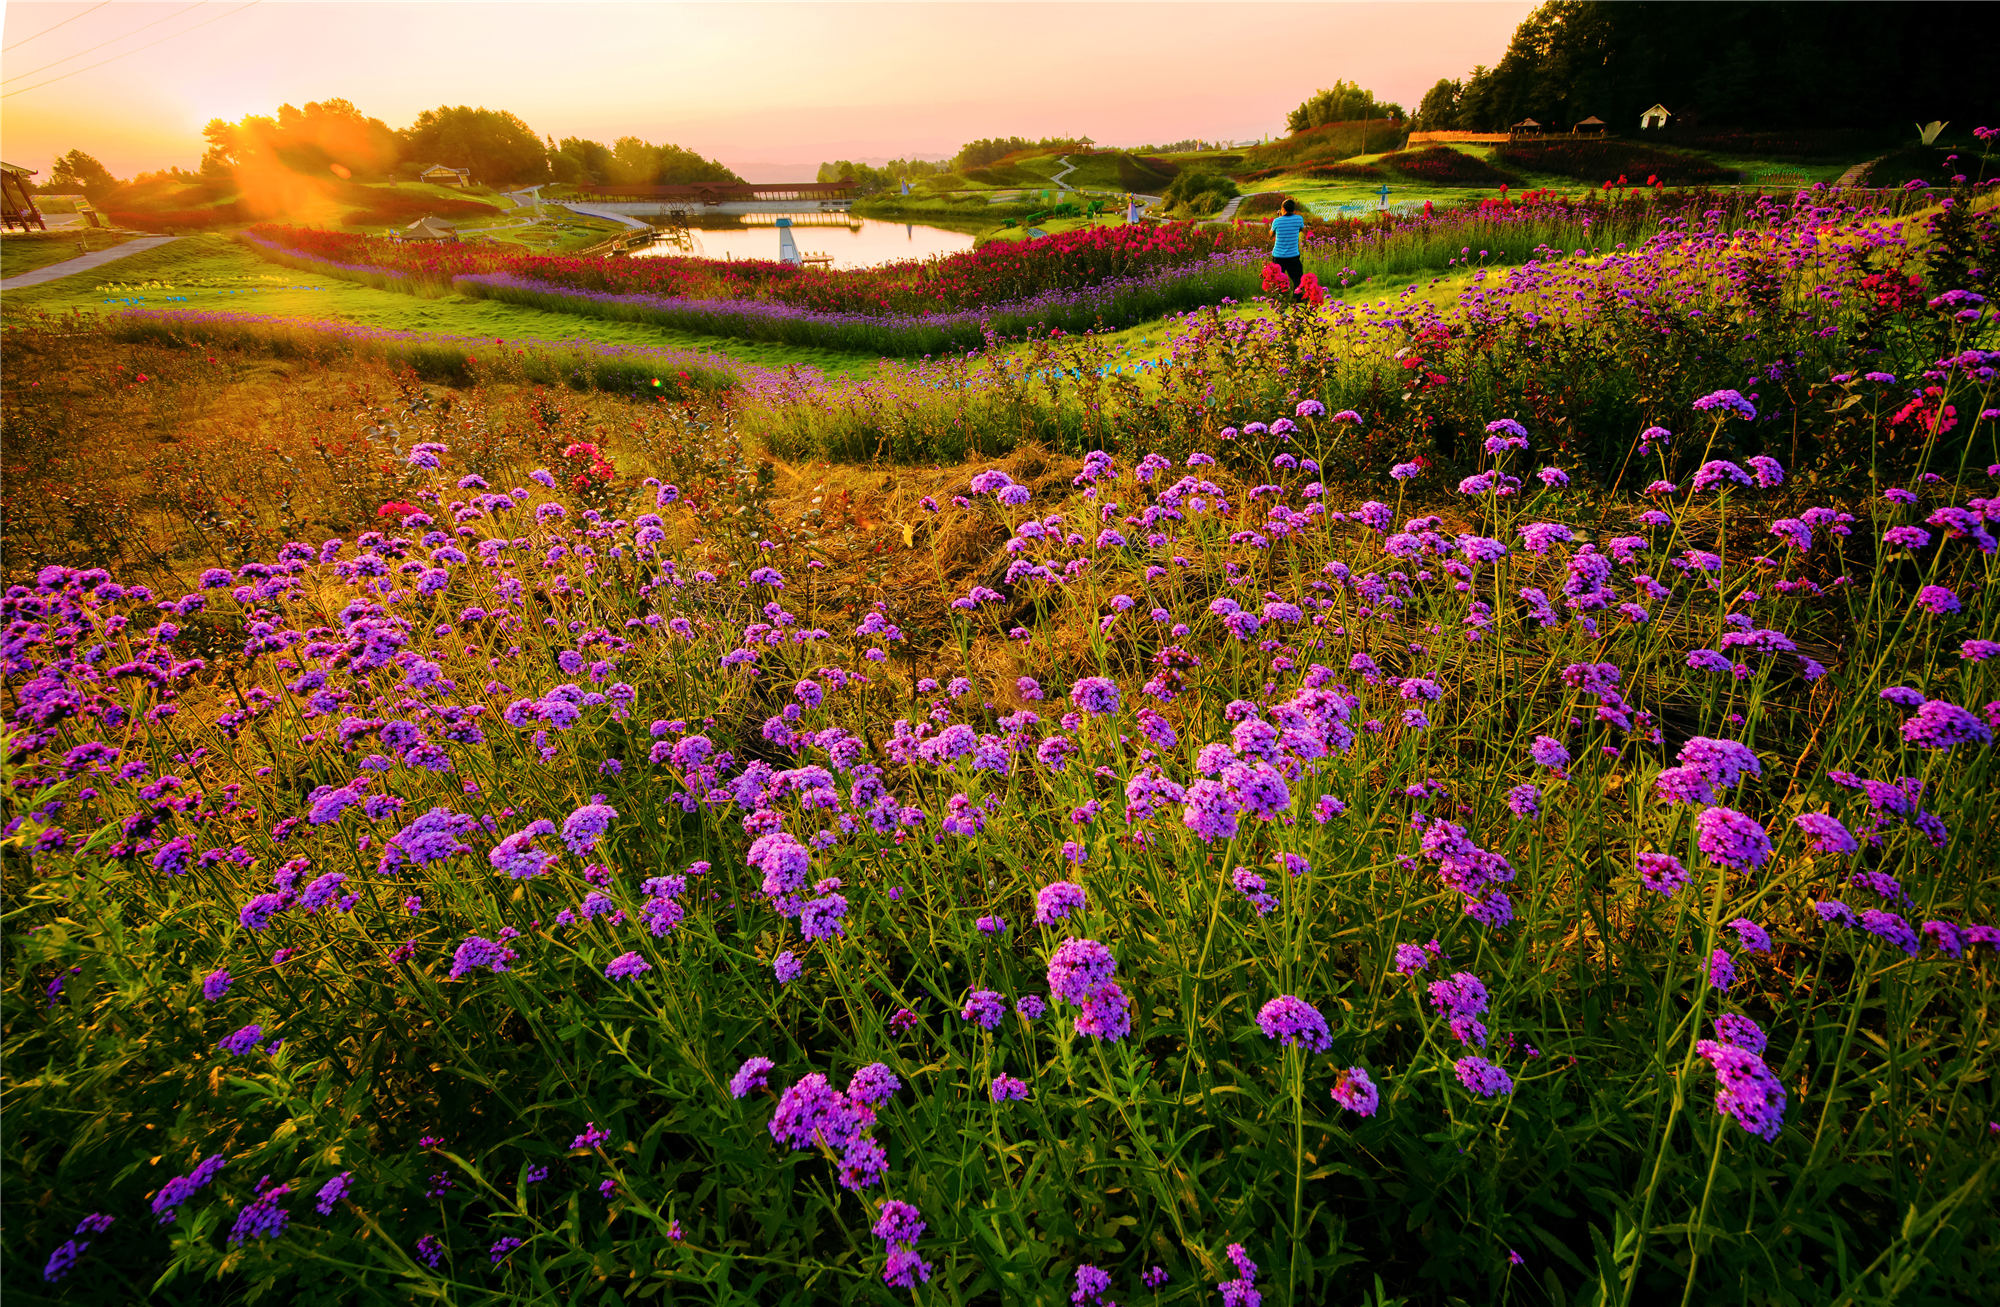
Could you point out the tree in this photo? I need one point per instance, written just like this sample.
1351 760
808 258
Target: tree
498 147
1439 110
1345 102
636 162
77 171
327 137
581 162
1783 64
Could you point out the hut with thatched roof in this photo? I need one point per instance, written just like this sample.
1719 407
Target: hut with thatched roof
1591 126
428 228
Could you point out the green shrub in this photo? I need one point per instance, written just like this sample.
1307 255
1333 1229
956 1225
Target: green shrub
1200 191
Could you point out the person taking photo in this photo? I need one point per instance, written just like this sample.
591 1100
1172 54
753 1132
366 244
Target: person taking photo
1285 229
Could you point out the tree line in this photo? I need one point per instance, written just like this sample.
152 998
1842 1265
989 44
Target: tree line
1774 64
1344 102
870 180
333 137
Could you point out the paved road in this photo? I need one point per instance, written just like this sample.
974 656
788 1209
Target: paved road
627 219
1852 177
84 262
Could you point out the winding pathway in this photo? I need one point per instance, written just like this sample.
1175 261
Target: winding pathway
1853 176
85 262
1229 209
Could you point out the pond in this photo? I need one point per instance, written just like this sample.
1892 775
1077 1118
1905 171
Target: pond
853 242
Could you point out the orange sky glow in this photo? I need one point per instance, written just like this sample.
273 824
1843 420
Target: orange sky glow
769 89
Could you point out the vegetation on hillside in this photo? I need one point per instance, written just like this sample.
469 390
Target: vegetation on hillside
1324 144
1343 102
1766 66
992 149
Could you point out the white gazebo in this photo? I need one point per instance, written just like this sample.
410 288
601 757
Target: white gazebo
1653 117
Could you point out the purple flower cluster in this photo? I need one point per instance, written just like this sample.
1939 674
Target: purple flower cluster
1293 1022
899 1225
1745 1088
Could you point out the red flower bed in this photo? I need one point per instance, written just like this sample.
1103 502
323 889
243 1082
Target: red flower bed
994 274
1440 165
176 220
1598 161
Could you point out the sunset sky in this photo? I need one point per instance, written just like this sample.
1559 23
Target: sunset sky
770 89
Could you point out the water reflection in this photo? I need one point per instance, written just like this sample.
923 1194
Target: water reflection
851 242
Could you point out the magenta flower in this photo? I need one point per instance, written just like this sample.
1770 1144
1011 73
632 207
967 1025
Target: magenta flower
1292 1021
1095 695
1825 833
1106 1014
1745 1088
1483 1078
1079 968
1662 873
984 1007
1055 902
1356 1092
754 1074
1731 839
1729 402
627 966
1721 970
1941 725
1740 1032
1937 601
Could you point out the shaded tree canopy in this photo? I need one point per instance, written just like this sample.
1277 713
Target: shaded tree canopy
325 136
1781 64
870 180
496 145
1344 102
631 161
77 171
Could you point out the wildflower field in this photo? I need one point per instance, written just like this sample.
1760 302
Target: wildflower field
1474 797
1074 281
